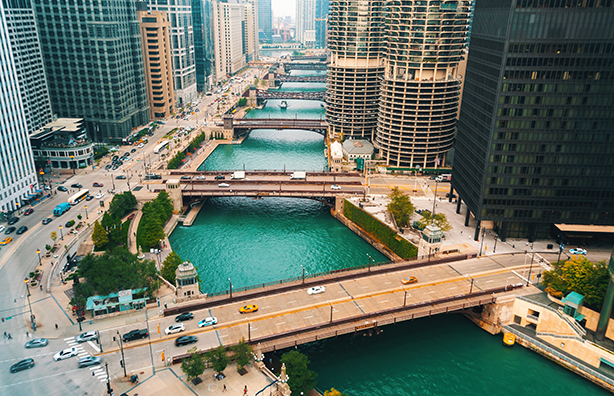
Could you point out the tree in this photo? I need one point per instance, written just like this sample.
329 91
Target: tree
122 204
99 236
194 365
152 232
300 377
242 102
218 359
400 207
107 221
243 354
440 220
164 202
54 236
334 392
170 265
579 275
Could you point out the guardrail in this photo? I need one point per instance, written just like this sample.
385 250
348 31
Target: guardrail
559 355
560 336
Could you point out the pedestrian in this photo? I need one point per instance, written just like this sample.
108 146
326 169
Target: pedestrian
165 306
41 287
27 334
56 326
245 390
224 389
5 334
9 337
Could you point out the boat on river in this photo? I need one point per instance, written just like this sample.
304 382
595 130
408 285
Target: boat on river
283 104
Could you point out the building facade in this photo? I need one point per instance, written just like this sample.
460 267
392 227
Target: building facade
265 20
421 85
17 172
356 42
182 43
535 139
250 37
306 23
21 24
202 17
321 23
157 56
64 144
94 65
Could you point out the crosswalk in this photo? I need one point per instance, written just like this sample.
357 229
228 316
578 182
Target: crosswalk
97 371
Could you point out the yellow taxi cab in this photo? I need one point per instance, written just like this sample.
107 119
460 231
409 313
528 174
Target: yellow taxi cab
6 241
248 308
409 280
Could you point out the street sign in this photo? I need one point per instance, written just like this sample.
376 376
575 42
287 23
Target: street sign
561 247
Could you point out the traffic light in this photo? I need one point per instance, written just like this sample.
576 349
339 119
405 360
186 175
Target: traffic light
121 363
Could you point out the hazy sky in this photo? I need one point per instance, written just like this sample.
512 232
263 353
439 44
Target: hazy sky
282 8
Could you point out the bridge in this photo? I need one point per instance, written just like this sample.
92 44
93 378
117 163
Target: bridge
304 66
243 125
300 78
308 95
357 300
318 56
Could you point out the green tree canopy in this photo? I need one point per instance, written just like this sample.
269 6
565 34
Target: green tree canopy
218 359
163 202
243 354
122 204
579 275
440 220
170 265
99 236
300 377
194 365
107 221
151 232
400 207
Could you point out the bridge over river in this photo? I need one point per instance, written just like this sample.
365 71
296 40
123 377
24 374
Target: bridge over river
355 300
244 125
274 94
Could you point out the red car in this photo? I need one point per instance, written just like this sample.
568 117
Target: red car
98 184
132 216
28 211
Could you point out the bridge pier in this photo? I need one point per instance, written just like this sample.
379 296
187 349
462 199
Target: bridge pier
252 99
271 79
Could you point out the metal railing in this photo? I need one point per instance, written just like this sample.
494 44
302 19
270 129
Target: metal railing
559 355
559 336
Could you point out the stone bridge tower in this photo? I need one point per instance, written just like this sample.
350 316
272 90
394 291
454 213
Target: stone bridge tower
173 188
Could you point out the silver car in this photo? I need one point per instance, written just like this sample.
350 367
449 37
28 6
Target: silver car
37 343
89 361
87 336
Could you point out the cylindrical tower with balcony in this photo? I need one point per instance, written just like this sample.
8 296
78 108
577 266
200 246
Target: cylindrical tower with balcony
421 86
356 42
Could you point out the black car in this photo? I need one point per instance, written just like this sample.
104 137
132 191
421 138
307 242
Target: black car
115 167
69 223
186 177
133 151
448 195
22 365
115 158
120 177
9 230
184 316
135 335
76 185
89 197
108 167
13 220
21 230
220 177
62 188
185 340
47 220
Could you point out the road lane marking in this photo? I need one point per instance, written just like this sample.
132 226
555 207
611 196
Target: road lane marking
281 323
489 281
364 287
291 302
432 291
452 288
308 317
387 283
385 301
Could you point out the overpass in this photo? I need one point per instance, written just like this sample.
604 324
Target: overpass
304 66
306 95
284 79
360 299
245 125
321 57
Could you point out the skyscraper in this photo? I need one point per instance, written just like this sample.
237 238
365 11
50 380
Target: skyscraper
182 42
535 139
305 22
251 30
94 64
265 20
231 35
202 16
17 173
21 24
421 85
356 42
321 23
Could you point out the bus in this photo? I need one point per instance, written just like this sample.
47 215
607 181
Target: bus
78 197
160 147
61 209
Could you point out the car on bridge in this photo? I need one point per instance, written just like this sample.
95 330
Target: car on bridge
210 321
176 328
184 316
335 187
248 308
223 185
220 177
316 290
409 280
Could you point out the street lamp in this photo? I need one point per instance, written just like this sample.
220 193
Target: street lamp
61 233
30 305
121 346
230 288
71 164
38 251
369 261
530 268
303 273
86 216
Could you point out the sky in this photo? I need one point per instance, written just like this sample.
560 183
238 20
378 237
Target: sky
282 8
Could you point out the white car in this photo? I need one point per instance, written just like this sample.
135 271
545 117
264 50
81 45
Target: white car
335 187
210 321
316 290
141 145
223 185
176 328
577 251
99 195
87 336
65 354
201 177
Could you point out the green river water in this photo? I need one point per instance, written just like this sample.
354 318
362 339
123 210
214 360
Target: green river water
258 241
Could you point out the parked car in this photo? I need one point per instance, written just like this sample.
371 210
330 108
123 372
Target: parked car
62 188
409 280
47 220
13 220
210 321
108 167
28 212
89 361
6 241
316 290
69 223
76 185
87 336
22 365
133 151
65 354
96 184
176 328
185 340
248 308
578 251
37 343
9 230
184 316
21 230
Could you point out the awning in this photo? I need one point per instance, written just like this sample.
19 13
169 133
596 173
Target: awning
585 228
